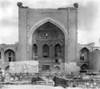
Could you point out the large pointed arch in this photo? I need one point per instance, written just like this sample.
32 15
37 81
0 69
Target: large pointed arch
43 21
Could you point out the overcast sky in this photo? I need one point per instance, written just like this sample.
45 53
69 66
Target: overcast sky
88 18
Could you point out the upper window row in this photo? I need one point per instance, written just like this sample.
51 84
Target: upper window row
46 50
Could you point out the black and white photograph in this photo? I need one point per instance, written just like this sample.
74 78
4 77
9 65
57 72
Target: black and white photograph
49 44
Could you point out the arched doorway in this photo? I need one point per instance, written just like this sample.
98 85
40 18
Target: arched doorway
84 55
51 43
9 55
84 67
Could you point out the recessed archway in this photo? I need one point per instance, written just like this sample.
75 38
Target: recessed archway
84 54
9 55
50 40
49 34
43 21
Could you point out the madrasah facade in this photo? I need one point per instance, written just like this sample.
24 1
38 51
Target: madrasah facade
50 37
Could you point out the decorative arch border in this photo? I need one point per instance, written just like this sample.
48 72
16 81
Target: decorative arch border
43 21
85 48
10 50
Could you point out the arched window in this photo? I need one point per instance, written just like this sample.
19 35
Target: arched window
57 50
35 49
45 50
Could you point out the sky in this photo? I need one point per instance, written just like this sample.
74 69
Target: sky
88 18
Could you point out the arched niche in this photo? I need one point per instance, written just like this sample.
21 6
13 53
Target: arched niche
57 50
35 49
45 50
